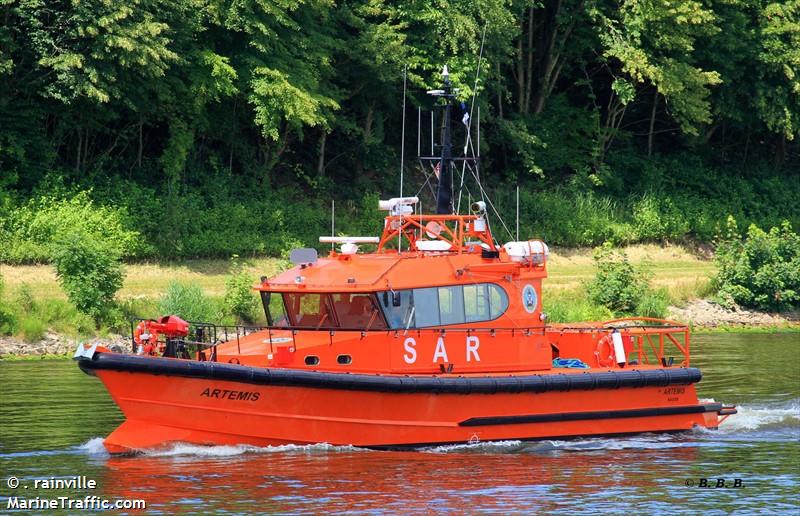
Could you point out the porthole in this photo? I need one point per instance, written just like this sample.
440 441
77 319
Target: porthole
344 359
312 360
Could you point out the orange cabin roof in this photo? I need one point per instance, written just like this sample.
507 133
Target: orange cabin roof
392 270
388 269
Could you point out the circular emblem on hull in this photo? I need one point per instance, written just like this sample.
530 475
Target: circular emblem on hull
529 299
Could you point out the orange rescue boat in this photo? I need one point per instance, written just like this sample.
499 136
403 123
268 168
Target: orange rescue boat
437 336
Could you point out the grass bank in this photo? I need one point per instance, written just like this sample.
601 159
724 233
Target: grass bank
33 292
684 274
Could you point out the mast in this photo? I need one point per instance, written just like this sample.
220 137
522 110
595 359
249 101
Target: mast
444 194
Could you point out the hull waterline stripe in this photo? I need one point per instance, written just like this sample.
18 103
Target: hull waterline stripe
450 384
595 415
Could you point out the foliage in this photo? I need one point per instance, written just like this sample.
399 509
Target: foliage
32 329
574 307
186 128
24 300
240 300
760 269
618 285
8 322
653 303
187 301
33 228
62 317
654 44
89 271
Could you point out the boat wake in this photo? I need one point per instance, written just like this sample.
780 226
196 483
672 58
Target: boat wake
95 447
185 449
478 447
749 418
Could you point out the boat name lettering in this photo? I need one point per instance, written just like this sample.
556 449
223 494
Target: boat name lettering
230 394
674 390
411 354
440 353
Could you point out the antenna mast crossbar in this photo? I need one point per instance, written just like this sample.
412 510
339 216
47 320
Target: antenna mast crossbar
409 226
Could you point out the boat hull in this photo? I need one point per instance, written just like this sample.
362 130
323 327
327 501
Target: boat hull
167 400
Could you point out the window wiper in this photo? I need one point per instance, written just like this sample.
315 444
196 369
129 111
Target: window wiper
410 317
372 318
322 320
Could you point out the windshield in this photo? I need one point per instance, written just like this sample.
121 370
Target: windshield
274 310
348 311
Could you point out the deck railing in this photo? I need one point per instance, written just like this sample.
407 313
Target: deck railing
654 340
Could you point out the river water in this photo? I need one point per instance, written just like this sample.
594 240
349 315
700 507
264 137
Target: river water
53 417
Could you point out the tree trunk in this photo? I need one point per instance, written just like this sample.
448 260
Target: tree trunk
520 71
85 149
780 151
652 125
366 137
499 96
368 123
78 149
529 80
140 150
321 159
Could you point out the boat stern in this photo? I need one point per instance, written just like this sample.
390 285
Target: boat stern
716 413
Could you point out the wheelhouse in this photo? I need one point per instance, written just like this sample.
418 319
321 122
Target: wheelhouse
390 309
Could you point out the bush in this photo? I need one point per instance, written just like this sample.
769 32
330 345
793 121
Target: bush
31 230
24 299
653 303
240 300
571 219
8 323
761 270
573 307
32 329
63 317
618 284
89 272
187 301
657 219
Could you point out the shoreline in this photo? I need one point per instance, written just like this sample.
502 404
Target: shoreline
702 317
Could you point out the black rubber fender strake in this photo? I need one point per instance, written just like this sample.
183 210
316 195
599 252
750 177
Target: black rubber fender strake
449 384
591 416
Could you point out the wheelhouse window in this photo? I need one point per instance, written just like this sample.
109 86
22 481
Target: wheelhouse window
457 304
357 311
275 310
426 304
398 308
308 310
451 305
347 311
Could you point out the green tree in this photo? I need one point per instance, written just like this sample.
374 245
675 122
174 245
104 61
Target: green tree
652 44
90 272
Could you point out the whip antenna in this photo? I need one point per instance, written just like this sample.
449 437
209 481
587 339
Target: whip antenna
469 120
402 158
